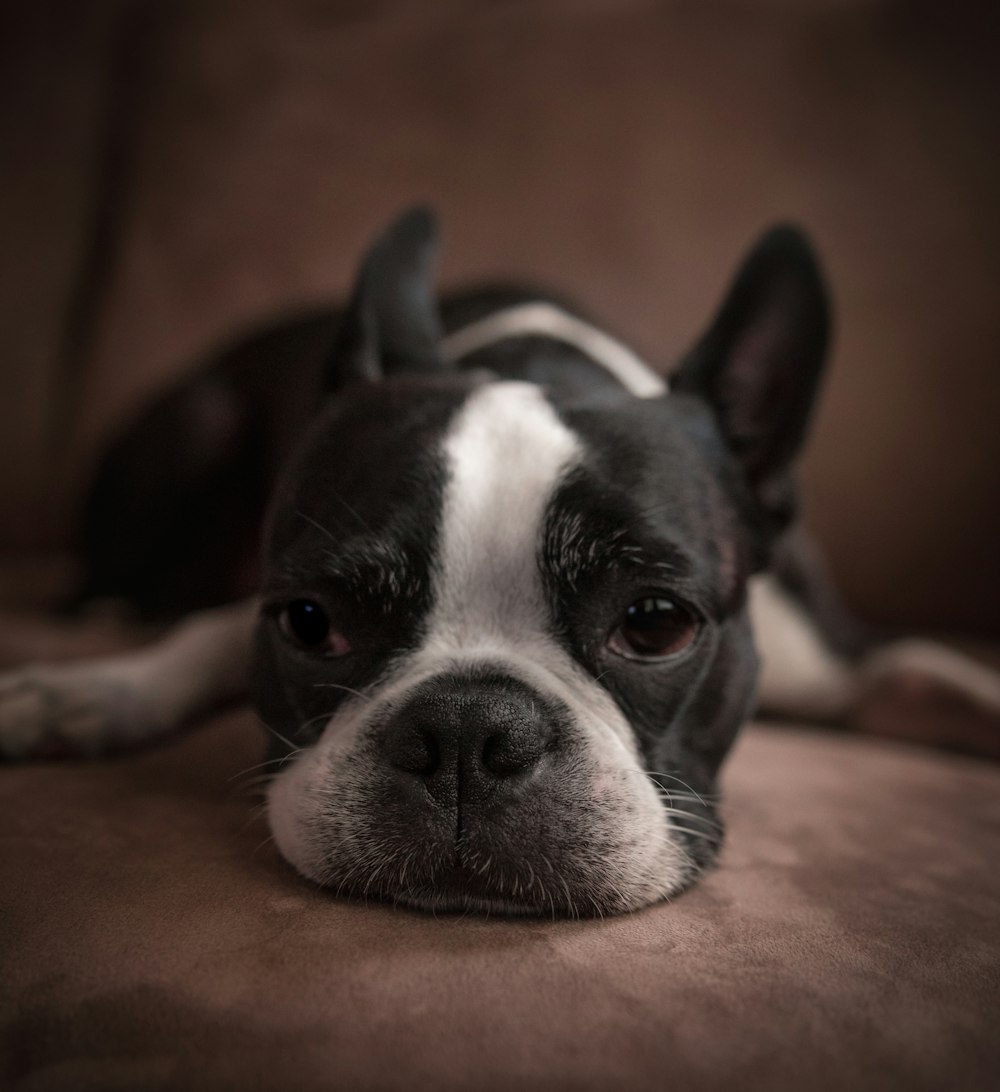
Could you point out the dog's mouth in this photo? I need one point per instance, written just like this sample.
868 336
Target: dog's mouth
487 890
491 881
461 889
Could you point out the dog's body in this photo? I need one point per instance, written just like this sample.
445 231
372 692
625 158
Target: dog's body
510 587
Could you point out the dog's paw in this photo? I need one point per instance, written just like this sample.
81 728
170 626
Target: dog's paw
923 691
65 709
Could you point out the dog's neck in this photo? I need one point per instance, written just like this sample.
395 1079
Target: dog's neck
543 319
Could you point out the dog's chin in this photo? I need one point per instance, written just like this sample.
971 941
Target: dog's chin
454 895
455 901
452 888
459 890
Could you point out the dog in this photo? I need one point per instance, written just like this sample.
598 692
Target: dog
515 589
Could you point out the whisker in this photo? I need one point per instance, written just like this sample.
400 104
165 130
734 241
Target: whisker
255 814
692 815
319 526
312 720
266 762
274 732
674 777
346 689
708 836
260 845
692 794
253 786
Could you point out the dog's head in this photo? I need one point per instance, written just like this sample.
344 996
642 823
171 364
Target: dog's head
505 643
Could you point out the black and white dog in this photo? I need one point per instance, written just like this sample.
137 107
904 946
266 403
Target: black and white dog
513 589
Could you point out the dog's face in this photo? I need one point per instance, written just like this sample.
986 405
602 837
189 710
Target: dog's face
505 644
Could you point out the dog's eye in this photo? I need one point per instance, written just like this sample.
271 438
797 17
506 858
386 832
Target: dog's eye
308 624
653 628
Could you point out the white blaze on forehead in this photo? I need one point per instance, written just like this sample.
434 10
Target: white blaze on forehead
506 452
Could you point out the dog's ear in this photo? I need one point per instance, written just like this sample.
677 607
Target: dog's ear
759 363
391 323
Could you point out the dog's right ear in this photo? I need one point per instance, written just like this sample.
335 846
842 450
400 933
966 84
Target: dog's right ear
391 323
759 363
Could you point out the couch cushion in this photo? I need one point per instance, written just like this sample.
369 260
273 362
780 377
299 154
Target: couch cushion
153 938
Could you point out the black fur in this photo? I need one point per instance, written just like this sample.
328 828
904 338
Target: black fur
683 496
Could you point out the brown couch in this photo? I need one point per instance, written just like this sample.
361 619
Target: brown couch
180 170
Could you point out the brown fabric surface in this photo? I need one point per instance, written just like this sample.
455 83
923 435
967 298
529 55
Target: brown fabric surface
624 150
627 152
849 940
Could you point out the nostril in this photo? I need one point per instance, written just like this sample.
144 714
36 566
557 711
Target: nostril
505 753
417 753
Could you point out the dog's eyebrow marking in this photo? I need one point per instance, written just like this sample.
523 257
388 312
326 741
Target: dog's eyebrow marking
363 566
544 319
375 568
574 552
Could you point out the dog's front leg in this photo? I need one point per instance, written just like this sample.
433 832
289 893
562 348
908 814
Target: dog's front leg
91 707
918 689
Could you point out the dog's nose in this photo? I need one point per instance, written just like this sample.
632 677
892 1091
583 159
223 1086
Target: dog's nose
468 737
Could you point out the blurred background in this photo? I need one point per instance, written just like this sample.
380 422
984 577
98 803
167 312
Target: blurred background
174 172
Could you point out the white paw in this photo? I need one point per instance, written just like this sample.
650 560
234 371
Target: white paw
920 662
923 691
52 710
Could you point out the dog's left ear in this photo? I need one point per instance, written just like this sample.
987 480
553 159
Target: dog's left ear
759 363
391 323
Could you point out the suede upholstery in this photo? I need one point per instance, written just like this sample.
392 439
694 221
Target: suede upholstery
848 940
181 170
